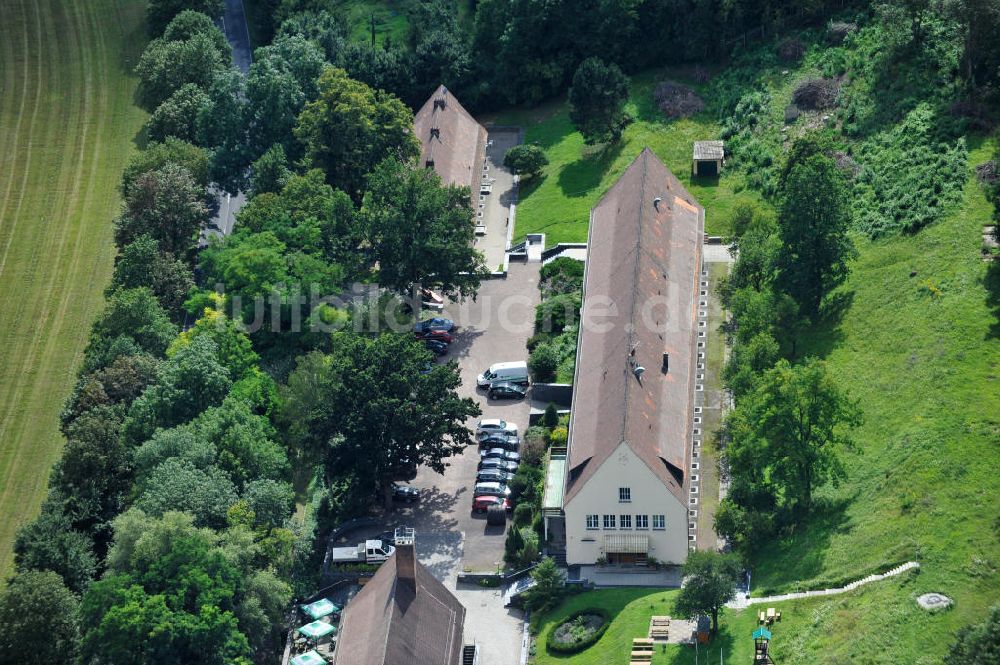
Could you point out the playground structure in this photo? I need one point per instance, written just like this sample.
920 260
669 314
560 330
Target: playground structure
761 644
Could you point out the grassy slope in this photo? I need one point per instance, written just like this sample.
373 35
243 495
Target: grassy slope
558 202
815 630
390 19
66 124
922 483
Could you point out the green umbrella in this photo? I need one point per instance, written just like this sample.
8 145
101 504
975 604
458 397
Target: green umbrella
317 629
308 658
320 608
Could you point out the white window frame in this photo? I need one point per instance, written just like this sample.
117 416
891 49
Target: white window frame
662 519
609 522
624 495
625 521
593 522
642 522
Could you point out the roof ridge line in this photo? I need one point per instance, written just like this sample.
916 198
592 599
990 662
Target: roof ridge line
635 291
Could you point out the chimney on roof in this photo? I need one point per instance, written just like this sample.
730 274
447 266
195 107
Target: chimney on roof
435 132
406 557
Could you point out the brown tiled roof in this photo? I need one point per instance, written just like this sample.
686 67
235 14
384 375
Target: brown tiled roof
451 139
395 622
646 259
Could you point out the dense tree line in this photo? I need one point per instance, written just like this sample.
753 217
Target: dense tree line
791 422
167 535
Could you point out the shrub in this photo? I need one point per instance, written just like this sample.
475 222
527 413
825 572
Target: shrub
555 646
551 416
559 436
563 275
522 515
543 362
557 312
527 160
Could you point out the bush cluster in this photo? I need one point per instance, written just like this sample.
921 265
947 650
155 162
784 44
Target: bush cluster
554 646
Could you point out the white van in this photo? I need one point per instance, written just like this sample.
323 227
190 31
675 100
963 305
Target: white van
515 372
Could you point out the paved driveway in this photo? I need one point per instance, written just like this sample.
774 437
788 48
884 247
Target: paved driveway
494 328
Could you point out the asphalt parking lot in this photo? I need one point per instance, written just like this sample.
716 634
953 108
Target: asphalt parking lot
449 538
493 328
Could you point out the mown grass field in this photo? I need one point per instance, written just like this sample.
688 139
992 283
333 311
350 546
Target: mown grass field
558 202
66 127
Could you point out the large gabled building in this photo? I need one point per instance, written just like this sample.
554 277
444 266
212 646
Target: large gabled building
451 141
403 616
621 492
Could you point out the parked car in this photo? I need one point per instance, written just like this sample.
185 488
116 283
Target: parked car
497 463
507 390
405 493
493 476
436 347
515 372
500 453
481 504
491 489
496 425
500 441
439 335
431 300
435 323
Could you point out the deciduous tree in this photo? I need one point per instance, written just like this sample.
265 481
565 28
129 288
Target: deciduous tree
420 232
525 160
349 128
813 226
40 620
167 205
709 583
160 12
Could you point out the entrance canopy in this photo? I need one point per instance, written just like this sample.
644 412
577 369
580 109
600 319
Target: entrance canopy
321 608
308 658
626 543
317 629
762 634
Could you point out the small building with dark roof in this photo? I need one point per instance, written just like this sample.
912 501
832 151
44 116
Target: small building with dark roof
451 141
402 616
627 469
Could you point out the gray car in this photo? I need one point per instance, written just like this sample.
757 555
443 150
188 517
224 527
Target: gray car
490 489
493 476
497 463
500 453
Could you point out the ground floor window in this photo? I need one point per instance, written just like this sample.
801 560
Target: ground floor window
659 522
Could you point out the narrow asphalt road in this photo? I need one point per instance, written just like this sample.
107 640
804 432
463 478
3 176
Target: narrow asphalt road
234 25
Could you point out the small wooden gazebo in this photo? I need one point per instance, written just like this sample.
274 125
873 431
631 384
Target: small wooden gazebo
709 158
761 641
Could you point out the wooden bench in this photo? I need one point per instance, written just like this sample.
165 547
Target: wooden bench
642 644
642 656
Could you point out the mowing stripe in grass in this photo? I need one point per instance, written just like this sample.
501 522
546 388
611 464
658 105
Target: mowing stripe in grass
66 127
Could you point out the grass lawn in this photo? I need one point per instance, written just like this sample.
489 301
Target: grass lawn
558 201
66 127
860 626
922 355
390 19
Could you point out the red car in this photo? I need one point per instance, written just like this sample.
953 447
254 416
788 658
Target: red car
481 504
438 335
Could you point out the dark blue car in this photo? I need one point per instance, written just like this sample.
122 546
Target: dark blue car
435 324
